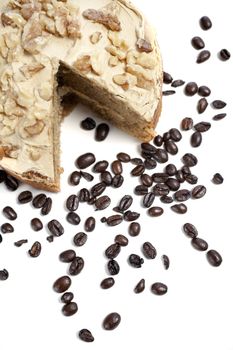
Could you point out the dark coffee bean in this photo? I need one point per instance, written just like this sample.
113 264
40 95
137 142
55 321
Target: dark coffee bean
190 230
89 224
186 170
191 88
155 211
87 176
214 258
39 200
100 166
217 179
138 170
170 169
123 157
202 105
125 203
131 215
166 199
198 191
182 195
2 176
134 229
203 56
55 227
11 183
80 239
102 203
161 190
98 189
67 256
107 283
189 159
148 148
35 250
173 184
36 224
9 213
186 124
106 178
179 208
111 321
177 83
218 104
167 78
158 140
73 218
202 126
62 284
150 163
45 210
0 238
91 200
199 244
161 156
70 309
171 147
140 286
204 91
205 23
116 167
74 178
117 181
86 336
175 134
197 43
180 176
114 220
168 92
84 195
72 202
88 124
25 197
7 228
224 55
136 161
76 266
166 136
85 160
219 116
113 251
136 261
102 132
159 288
67 297
146 180
121 240
141 190
4 274
166 261
113 267
196 139
20 242
160 177
191 179
149 250
148 199
50 238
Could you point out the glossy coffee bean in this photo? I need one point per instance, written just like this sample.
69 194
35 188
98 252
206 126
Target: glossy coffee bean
67 256
86 335
146 180
84 195
76 266
74 178
198 191
111 321
98 189
186 123
150 163
196 139
214 258
191 179
159 288
131 215
191 88
161 190
102 132
202 105
39 200
217 179
158 140
55 227
179 208
218 104
7 228
117 181
36 224
138 170
135 261
167 78
219 116
107 283
123 157
25 197
155 211
160 177
149 250
106 178
4 274
136 161
204 91
171 147
11 183
67 297
85 160
134 229
170 169
9 213
72 202
102 203
173 184
197 43
35 250
113 251
168 92
140 286
113 267
177 83
166 199
141 190
203 56
166 261
161 156
224 55
2 176
189 159
121 240
62 284
88 124
205 23
70 309
199 244
45 210
202 126
116 167
175 134
73 218
100 166
80 239
114 220
20 242
87 176
148 199
190 230
125 203
182 195
89 224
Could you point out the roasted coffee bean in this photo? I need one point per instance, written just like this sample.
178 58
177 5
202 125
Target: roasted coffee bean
89 224
170 169
198 191
149 250
131 215
4 274
202 105
202 126
102 132
148 148
166 199
173 184
203 56
168 92
138 170
114 220
190 230
20 242
166 136
159 288
100 166
67 256
74 178
86 336
11 183
125 203
185 170
7 228
219 116
76 266
214 258
146 180
55 227
0 238
171 147
121 240
175 134
150 163
84 195
80 239
205 23
102 203
116 167
91 200
197 43
72 202
204 91
123 157
191 88
113 267
50 238
35 250
111 321
25 197
199 244
67 297
85 160
140 286
218 104
186 123
196 139
189 159
167 78
224 55
9 213
161 190
36 224
134 229
148 199
177 83
182 195
87 176
166 261
106 178
39 200
62 284
217 179
107 283
136 161
88 124
136 261
161 156
73 218
2 176
98 189
70 309
158 140
113 251
180 177
160 177
141 190
45 210
179 208
191 179
117 181
155 211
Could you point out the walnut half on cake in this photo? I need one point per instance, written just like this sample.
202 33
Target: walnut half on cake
103 51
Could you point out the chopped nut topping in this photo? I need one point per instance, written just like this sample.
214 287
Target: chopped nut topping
11 151
114 51
6 20
144 45
32 39
83 64
28 8
35 155
45 91
146 60
113 61
144 77
36 128
31 69
108 20
116 41
125 80
73 29
95 37
96 64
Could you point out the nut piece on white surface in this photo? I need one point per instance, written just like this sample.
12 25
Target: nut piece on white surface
107 19
36 128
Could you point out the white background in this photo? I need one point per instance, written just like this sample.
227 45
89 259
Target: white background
197 311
